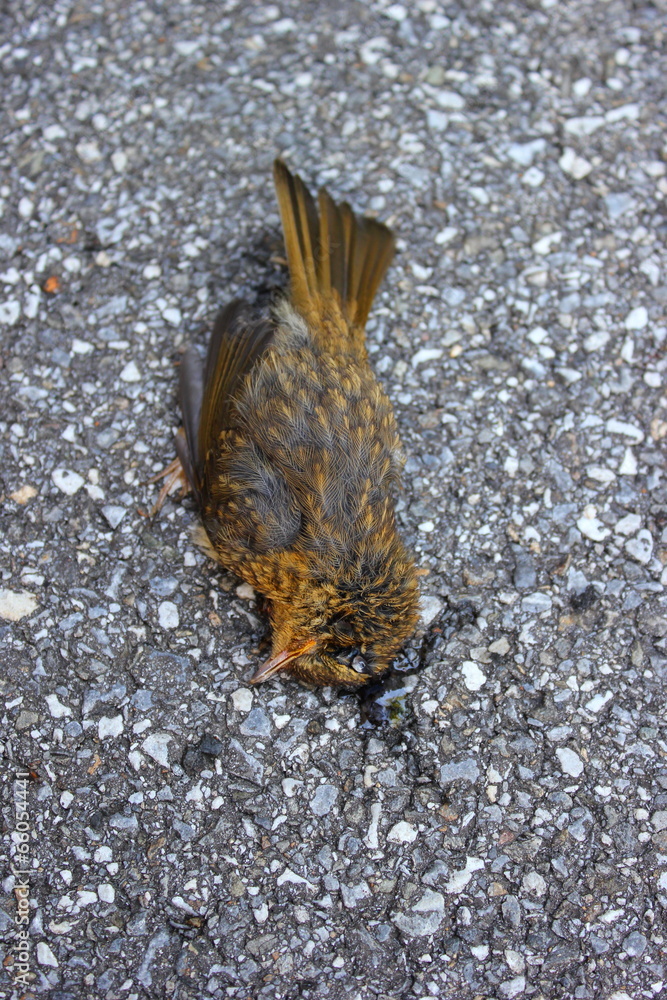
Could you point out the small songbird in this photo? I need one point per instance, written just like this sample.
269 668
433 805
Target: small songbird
291 449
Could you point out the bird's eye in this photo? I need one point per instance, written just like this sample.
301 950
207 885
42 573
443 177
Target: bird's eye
353 658
359 664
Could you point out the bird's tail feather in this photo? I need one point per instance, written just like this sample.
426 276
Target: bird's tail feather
335 258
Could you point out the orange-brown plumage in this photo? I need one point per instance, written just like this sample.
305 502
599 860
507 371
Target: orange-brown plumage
292 451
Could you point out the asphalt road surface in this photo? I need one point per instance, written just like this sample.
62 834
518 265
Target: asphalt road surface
493 823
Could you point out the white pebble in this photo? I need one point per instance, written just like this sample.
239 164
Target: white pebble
10 312
151 271
26 208
460 879
425 354
546 244
426 526
292 877
437 121
450 100
56 707
628 525
535 883
187 48
110 726
429 608
130 373
16 604
581 87
598 701
500 646
66 800
628 350
53 132
430 902
88 151
593 528
242 699
628 466
106 892
637 318
156 746
640 548
533 177
113 513
245 592
615 426
86 897
473 678
584 125
480 195
625 111
67 481
372 51
446 235
119 161
513 987
570 761
574 165
81 346
396 12
402 833
600 474
168 615
536 603
524 153
100 121
45 956
172 315
596 340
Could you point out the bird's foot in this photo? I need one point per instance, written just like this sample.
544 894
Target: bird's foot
174 476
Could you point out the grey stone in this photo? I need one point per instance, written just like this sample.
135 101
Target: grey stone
462 770
324 799
511 911
448 851
417 925
256 723
242 763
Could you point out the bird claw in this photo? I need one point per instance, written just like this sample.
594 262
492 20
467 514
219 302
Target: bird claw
174 476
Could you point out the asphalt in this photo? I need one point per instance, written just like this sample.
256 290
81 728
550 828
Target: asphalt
493 822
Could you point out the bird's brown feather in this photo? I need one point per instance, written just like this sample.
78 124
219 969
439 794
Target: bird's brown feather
336 259
294 450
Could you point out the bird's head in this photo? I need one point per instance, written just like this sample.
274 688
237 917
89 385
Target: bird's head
347 630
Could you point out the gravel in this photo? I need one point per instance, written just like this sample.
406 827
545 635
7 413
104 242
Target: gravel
494 823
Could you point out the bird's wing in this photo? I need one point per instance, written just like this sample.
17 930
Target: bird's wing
244 502
336 259
208 391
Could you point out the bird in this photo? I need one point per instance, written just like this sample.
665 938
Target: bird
291 449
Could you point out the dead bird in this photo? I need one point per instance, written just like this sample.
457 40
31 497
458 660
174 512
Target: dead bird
291 449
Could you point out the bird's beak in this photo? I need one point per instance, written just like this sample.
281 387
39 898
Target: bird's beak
280 661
